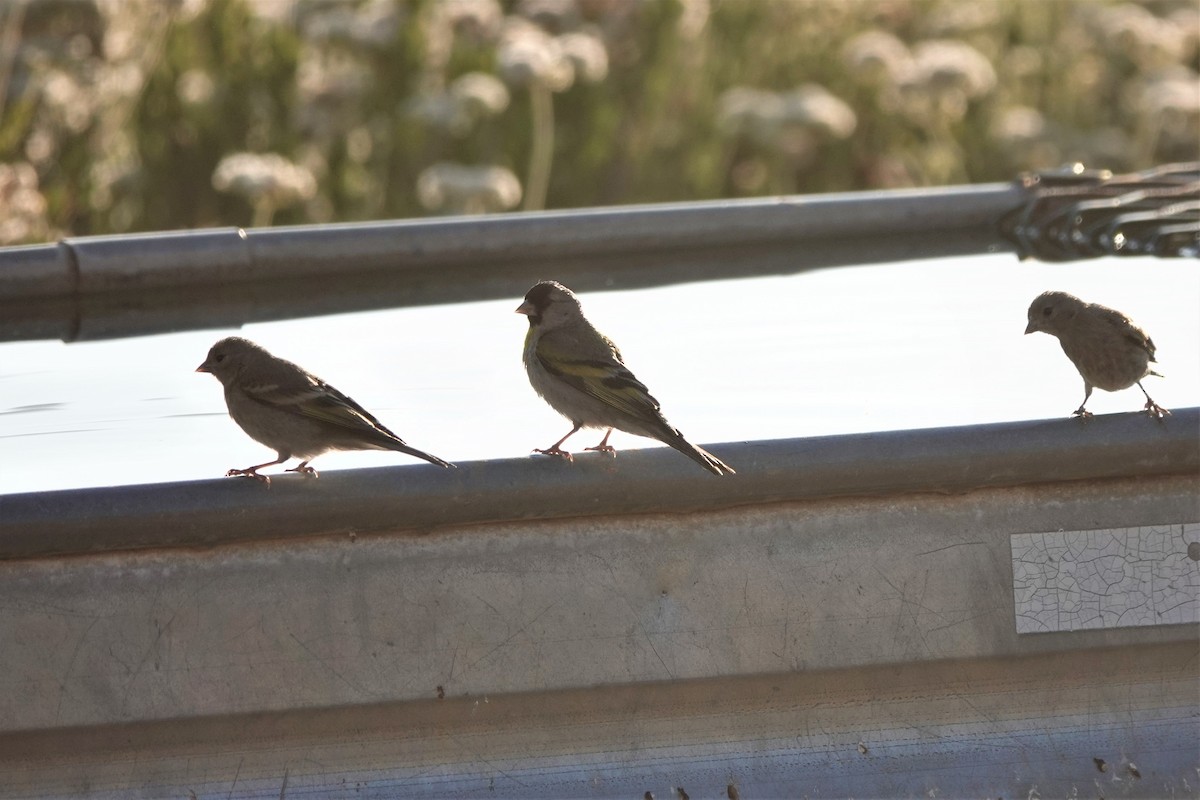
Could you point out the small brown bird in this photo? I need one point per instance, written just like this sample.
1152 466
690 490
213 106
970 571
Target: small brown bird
580 373
1110 352
293 412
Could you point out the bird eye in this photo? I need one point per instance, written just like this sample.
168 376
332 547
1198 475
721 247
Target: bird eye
1047 311
220 358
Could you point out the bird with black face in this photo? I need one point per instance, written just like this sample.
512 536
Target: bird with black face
292 411
1108 349
580 373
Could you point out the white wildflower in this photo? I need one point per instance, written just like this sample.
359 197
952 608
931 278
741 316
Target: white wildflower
480 20
460 189
952 65
1134 31
875 57
22 206
481 94
812 107
195 87
553 15
774 119
587 55
1019 126
264 177
528 55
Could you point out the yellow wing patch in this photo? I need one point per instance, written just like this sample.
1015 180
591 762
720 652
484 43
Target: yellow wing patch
606 380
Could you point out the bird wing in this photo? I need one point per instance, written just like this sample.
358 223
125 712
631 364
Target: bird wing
314 399
605 379
1125 327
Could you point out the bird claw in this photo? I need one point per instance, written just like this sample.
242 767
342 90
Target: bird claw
555 451
1155 410
604 448
248 473
1081 412
305 470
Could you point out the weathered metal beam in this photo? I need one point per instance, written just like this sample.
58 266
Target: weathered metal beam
1041 725
418 498
855 603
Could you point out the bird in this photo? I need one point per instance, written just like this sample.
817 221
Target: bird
580 373
292 411
1108 349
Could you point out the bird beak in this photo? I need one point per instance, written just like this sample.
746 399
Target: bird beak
203 368
1030 328
526 308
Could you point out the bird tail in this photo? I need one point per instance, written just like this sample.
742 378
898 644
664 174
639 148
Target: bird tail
698 454
401 447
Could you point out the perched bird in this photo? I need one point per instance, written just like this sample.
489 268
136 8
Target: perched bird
580 373
295 413
1110 352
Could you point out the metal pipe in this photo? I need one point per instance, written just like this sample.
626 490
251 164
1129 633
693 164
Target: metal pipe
106 286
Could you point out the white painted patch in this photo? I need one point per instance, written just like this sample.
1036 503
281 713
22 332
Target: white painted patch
1111 578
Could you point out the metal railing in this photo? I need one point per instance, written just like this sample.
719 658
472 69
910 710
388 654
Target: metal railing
111 286
843 607
408 498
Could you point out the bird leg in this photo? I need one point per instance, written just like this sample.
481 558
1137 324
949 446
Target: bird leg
304 469
604 446
556 449
252 472
1152 408
1081 411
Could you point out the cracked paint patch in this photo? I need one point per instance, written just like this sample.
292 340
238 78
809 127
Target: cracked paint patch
1110 578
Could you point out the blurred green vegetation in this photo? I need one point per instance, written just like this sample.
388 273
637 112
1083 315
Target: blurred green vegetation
122 115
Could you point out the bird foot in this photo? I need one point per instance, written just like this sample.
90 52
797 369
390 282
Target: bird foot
1081 412
604 448
555 451
305 470
248 473
1155 410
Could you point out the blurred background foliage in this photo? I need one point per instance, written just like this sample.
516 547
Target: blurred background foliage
132 115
